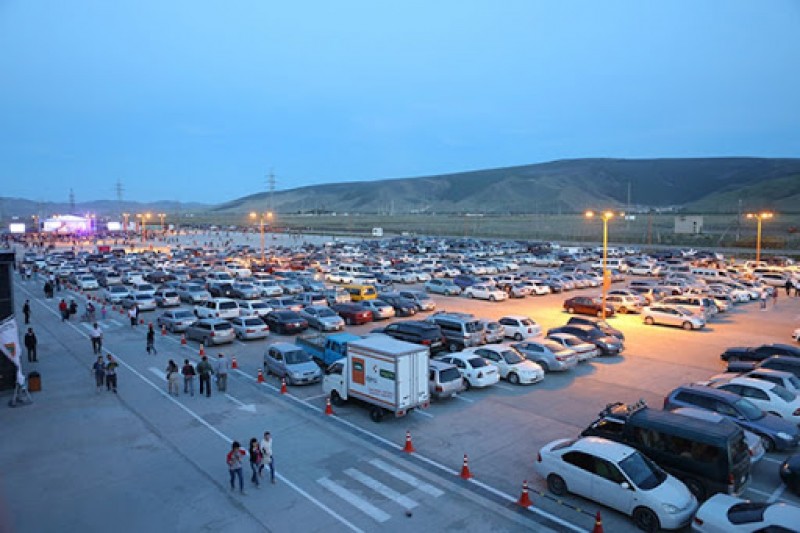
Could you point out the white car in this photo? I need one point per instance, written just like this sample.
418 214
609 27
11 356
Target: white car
671 315
520 327
87 282
644 270
584 350
513 366
623 303
722 513
323 318
619 477
268 288
146 288
249 327
253 308
537 287
476 371
767 396
484 291
116 293
167 298
796 335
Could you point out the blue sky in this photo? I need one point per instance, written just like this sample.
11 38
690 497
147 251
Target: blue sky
197 100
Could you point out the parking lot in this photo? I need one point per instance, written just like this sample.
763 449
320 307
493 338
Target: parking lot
500 429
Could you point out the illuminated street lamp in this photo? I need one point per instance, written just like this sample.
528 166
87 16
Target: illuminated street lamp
162 216
605 216
125 217
766 215
261 217
143 218
36 222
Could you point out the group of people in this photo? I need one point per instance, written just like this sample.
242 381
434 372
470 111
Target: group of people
792 284
259 455
203 371
105 373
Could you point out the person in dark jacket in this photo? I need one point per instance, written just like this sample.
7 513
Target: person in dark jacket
30 345
26 309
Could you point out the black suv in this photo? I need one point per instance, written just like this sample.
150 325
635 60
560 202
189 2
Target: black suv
608 344
416 331
220 290
600 324
784 363
760 353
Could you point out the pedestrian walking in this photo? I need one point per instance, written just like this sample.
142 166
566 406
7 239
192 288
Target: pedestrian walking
234 460
111 373
788 286
97 339
30 345
57 282
133 314
172 378
48 289
255 461
188 377
266 456
764 297
151 340
797 288
99 371
204 370
26 310
775 297
223 366
103 312
63 309
73 307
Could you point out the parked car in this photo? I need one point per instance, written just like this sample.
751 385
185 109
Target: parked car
192 293
115 293
608 345
286 322
723 513
759 353
255 308
513 367
783 363
623 303
583 350
476 371
520 327
402 306
586 305
597 323
217 308
353 314
290 362
415 331
493 332
420 299
549 354
619 477
323 318
380 309
444 379
249 327
211 331
144 301
87 282
483 291
790 473
245 291
284 303
671 315
176 320
443 286
221 290
769 397
755 446
167 298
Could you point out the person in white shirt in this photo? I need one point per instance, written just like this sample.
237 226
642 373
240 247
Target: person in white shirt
97 338
267 457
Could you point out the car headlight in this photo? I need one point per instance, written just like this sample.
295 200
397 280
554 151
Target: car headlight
671 509
784 436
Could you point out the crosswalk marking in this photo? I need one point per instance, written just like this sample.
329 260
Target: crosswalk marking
354 499
407 478
380 488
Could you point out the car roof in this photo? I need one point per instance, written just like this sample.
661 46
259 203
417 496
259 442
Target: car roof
285 346
752 382
706 390
600 447
518 317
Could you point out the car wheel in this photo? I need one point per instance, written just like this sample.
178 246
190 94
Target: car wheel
645 519
622 310
688 327
349 321
470 295
544 365
649 320
518 336
513 379
467 384
571 310
336 399
768 443
491 298
600 314
204 342
696 488
557 485
452 347
376 414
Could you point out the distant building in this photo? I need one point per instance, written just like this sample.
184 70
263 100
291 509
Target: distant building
689 224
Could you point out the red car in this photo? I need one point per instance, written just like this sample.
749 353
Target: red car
353 314
587 305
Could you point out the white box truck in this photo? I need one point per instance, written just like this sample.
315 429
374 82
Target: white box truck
386 374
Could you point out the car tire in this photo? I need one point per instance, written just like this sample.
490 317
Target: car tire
376 414
646 520
649 320
622 310
518 336
348 321
571 310
492 298
452 347
513 378
544 365
470 295
467 384
688 326
696 488
557 485
336 399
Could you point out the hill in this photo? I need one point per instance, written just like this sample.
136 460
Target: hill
710 185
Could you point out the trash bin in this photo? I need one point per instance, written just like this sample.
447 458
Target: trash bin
34 382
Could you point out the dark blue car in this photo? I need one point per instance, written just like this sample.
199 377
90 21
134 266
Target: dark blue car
464 281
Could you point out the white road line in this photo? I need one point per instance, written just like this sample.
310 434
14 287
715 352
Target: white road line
208 426
317 396
505 387
771 460
114 322
87 326
421 412
381 489
777 493
757 491
407 478
355 500
157 372
459 397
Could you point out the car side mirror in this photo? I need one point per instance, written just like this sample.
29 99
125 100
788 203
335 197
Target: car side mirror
625 485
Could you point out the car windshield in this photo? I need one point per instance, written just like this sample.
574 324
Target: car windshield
259 305
253 322
748 409
553 346
473 327
228 305
511 357
526 322
572 341
324 312
296 357
143 297
642 472
478 362
222 326
195 289
784 394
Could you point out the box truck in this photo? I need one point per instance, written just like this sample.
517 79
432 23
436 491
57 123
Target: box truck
385 374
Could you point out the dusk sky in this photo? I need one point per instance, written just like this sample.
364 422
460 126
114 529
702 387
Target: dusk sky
197 100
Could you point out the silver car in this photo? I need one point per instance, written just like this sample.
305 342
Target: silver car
549 354
167 298
193 293
380 309
249 327
144 301
210 331
176 320
323 318
291 362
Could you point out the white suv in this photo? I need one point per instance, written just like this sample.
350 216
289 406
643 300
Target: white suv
217 308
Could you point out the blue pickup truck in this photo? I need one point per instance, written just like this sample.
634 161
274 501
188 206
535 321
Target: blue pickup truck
326 349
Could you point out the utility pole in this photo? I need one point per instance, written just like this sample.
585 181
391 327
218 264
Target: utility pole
71 202
271 189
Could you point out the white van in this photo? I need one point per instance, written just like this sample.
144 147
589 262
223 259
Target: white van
612 263
711 274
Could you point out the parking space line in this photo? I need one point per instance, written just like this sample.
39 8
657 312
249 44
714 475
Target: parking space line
459 397
777 493
771 460
421 412
405 477
760 492
381 489
316 396
353 499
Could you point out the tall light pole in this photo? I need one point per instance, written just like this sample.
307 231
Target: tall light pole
605 216
143 218
261 217
125 217
765 215
162 216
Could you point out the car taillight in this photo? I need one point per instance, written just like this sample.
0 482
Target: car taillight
750 451
249 331
698 521
665 403
212 333
731 484
426 342
439 388
796 412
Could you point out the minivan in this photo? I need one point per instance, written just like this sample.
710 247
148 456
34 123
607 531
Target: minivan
444 379
709 457
360 293
217 308
461 330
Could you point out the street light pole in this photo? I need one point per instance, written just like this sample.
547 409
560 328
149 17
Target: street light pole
606 216
261 227
759 217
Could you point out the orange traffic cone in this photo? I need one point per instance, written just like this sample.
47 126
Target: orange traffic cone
465 473
202 350
234 364
163 329
598 523
113 307
328 408
409 447
260 378
283 386
141 321
121 310
524 498
183 339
